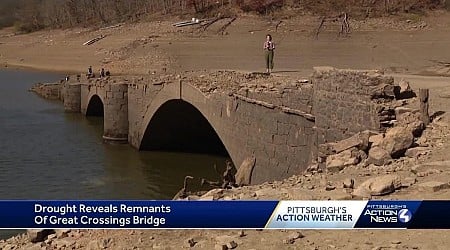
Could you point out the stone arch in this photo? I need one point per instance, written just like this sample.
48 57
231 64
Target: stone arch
179 126
188 98
95 106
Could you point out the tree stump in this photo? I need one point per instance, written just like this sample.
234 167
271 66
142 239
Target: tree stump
424 100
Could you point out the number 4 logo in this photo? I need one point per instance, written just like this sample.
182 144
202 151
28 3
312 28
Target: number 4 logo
404 215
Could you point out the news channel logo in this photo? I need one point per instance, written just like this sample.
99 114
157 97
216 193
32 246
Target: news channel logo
382 214
404 215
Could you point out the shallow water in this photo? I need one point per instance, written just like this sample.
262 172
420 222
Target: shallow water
48 154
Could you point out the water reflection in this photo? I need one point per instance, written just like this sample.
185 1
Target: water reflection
48 154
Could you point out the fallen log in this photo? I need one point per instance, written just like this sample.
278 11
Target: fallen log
92 41
211 22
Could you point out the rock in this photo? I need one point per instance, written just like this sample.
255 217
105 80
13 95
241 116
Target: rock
402 110
422 174
191 242
375 140
325 149
359 141
423 170
433 186
296 235
348 183
416 152
408 182
422 142
105 243
232 245
378 186
330 187
385 185
51 237
336 163
39 235
385 91
244 173
396 141
396 242
412 121
403 90
33 247
227 241
220 247
60 244
62 233
242 234
416 128
312 168
213 194
378 156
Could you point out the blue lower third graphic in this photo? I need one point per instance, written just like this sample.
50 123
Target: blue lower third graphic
225 214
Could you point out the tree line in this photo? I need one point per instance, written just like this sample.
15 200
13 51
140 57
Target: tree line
29 15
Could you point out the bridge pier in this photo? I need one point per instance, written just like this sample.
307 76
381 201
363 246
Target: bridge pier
72 97
116 113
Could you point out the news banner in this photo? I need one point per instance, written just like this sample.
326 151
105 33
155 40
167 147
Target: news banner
225 214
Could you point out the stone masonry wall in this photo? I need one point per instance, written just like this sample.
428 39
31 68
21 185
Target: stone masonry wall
347 102
280 141
114 96
116 113
277 120
279 137
72 97
140 94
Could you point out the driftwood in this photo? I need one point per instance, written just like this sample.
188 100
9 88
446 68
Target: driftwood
187 24
92 41
183 22
277 25
442 63
223 28
205 26
112 26
322 21
183 192
228 178
194 21
342 19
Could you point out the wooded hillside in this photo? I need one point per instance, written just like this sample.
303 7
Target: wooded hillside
29 15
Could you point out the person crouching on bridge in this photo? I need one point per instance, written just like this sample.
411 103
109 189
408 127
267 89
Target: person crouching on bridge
269 48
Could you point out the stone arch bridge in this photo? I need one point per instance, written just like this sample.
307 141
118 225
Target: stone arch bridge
274 119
